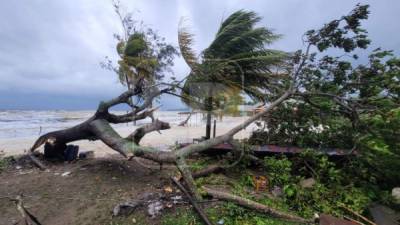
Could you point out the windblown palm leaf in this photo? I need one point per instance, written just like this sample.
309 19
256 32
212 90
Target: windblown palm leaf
236 58
185 40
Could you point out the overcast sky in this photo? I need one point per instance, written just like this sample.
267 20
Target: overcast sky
50 49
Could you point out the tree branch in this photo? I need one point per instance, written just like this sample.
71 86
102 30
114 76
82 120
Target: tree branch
139 133
193 148
123 98
130 117
102 129
254 205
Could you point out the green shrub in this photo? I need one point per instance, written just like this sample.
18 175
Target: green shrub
334 186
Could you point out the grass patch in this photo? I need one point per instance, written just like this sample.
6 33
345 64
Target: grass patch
4 163
229 213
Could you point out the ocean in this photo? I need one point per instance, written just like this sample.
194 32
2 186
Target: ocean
31 123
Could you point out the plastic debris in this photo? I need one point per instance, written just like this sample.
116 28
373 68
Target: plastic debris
66 174
168 189
260 183
154 208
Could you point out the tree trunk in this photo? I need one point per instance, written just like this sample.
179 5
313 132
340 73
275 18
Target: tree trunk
208 124
98 128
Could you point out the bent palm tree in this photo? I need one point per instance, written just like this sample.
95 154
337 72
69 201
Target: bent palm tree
235 60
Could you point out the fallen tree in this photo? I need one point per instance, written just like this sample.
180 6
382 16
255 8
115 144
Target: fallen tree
295 80
98 127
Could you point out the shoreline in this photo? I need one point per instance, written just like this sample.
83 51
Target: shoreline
18 145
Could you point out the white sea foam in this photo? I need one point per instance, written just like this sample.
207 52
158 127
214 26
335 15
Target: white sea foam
23 123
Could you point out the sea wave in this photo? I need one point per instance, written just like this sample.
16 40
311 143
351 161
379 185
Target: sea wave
28 123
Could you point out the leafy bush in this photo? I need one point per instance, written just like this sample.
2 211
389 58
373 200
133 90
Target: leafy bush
333 188
279 170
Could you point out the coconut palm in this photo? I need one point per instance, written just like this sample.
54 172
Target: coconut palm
235 60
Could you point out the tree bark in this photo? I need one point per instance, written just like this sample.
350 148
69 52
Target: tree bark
140 132
208 123
254 205
206 171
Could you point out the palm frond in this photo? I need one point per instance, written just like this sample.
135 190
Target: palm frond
238 27
185 40
237 59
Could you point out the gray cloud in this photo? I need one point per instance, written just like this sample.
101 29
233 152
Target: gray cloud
53 48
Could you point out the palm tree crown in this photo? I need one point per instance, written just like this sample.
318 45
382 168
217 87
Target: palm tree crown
236 60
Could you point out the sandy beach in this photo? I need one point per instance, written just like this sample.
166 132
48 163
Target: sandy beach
196 129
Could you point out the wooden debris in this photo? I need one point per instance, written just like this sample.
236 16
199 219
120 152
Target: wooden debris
353 220
254 205
358 215
36 162
28 217
192 201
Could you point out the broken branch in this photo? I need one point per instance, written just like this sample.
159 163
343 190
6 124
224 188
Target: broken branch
140 132
192 201
254 205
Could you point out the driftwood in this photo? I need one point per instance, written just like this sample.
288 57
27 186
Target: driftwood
192 201
254 205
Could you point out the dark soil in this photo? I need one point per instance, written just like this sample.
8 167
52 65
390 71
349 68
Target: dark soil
86 196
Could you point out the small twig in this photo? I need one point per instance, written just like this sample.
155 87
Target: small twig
353 220
311 169
357 214
199 210
28 217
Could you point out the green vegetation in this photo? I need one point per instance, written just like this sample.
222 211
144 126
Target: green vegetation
227 212
335 185
4 162
341 103
333 101
338 183
330 100
144 55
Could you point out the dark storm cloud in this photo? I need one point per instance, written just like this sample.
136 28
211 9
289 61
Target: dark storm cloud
51 49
